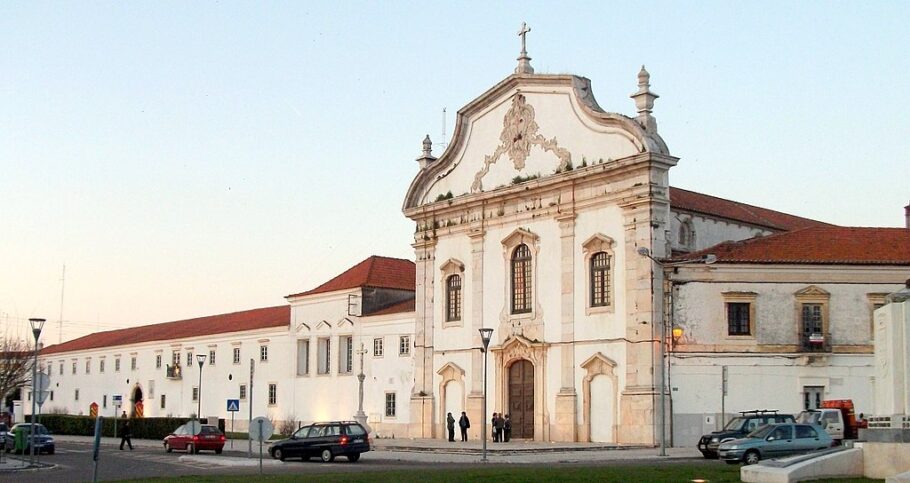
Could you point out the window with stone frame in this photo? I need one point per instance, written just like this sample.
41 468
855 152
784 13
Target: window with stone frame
324 362
686 235
236 355
303 357
189 360
195 393
74 367
133 363
101 366
739 310
88 366
157 361
453 298
600 279
273 394
263 353
390 407
404 345
61 368
812 319
377 347
345 354
163 401
242 394
211 357
522 282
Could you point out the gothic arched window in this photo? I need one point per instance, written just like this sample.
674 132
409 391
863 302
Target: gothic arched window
600 279
521 280
453 298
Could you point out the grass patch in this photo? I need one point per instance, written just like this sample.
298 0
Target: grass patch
618 473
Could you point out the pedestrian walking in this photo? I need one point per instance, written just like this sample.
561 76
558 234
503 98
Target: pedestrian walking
450 425
464 423
507 428
126 435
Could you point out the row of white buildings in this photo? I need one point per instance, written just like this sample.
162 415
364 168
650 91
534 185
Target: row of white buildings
553 222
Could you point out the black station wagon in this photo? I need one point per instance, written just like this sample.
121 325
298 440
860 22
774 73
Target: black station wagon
325 440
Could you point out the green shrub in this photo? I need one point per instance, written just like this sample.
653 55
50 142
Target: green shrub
141 428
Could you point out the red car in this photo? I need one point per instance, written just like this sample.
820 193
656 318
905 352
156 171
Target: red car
209 438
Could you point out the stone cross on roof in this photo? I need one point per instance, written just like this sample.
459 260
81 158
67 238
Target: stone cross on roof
524 62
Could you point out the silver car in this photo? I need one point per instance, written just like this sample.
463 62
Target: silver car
774 441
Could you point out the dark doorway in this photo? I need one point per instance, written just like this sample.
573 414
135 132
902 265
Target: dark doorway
521 399
137 398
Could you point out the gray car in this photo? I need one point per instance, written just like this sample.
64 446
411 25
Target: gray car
774 441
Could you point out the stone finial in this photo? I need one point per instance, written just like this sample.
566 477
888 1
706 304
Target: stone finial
427 157
524 62
644 101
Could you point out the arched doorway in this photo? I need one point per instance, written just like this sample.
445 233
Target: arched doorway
136 398
521 398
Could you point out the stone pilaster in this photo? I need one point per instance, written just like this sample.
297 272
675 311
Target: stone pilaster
477 239
422 400
566 400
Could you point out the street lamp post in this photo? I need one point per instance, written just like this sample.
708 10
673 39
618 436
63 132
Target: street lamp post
37 325
485 335
200 358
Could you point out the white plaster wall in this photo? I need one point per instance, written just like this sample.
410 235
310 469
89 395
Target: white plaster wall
710 231
457 336
699 309
558 114
216 385
600 325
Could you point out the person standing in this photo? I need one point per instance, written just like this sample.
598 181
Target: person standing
495 425
507 428
464 423
450 425
126 435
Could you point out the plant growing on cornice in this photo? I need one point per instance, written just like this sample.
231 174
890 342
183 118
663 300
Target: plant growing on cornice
584 162
522 179
447 196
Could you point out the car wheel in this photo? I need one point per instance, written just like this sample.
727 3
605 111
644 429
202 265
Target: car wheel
751 457
278 454
190 449
707 455
731 462
353 457
327 455
219 450
168 448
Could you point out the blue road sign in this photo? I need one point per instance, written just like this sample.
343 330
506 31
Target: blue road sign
233 405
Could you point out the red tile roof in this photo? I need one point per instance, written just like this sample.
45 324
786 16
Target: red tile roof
681 199
820 245
399 308
213 324
376 272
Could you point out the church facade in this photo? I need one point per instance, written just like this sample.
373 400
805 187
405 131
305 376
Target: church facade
553 223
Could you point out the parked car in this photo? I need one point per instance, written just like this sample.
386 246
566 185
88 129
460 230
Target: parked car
44 442
739 427
209 438
836 416
774 441
325 440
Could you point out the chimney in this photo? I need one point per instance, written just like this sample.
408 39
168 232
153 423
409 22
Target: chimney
907 217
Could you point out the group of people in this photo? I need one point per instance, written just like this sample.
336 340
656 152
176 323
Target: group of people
502 427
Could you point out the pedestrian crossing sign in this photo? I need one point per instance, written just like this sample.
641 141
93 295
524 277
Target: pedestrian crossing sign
233 405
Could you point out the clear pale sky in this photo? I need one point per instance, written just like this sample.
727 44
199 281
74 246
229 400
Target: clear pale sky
194 158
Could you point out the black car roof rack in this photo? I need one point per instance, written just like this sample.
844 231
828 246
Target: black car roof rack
759 412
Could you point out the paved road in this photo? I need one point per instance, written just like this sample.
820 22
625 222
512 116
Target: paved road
74 462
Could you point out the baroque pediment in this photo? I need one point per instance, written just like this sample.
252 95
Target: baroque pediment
526 127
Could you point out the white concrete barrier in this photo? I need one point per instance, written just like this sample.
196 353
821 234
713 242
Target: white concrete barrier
842 463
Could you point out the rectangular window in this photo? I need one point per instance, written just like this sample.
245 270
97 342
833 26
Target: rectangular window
117 365
133 363
104 401
236 355
211 357
404 345
157 361
88 366
273 394
390 404
52 395
61 368
812 396
325 356
163 401
303 357
195 394
600 279
738 322
453 298
74 367
263 353
243 391
175 358
77 394
813 331
522 283
101 366
189 360
345 354
377 347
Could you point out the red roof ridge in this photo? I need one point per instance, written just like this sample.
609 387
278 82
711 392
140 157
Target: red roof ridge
375 271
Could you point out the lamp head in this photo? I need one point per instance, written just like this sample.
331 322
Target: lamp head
486 334
676 333
200 358
37 325
643 251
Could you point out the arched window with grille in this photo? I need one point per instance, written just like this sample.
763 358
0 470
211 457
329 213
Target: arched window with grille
453 298
600 279
521 280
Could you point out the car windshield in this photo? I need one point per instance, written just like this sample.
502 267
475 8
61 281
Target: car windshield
302 432
734 424
210 430
809 417
761 432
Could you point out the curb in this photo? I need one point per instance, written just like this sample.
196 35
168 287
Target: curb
507 452
231 460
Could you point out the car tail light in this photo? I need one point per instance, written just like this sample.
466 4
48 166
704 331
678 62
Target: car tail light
344 440
196 438
221 438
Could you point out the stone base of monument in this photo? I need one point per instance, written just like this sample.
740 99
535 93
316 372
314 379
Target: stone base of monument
885 435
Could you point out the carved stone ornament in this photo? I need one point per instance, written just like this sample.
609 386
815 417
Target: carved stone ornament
519 133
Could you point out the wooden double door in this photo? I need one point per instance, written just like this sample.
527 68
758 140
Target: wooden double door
521 399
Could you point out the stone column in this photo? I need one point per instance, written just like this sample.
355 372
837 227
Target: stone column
566 400
422 401
475 396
